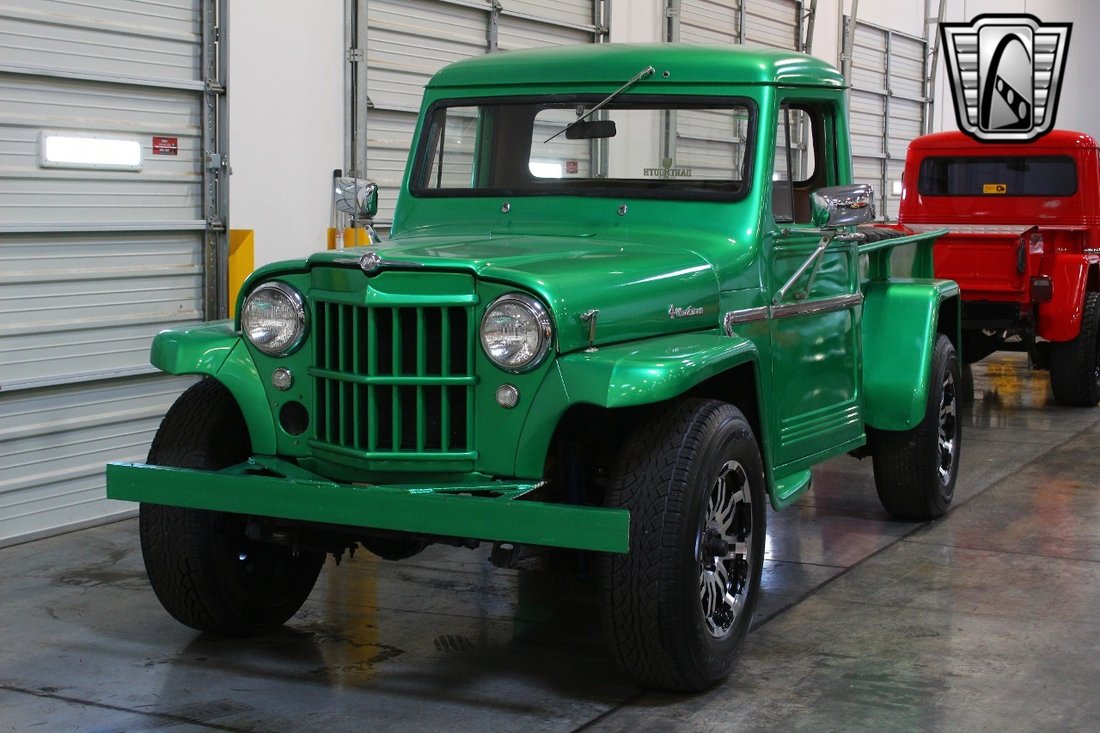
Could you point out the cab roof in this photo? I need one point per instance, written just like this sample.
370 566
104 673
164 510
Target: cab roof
614 64
956 140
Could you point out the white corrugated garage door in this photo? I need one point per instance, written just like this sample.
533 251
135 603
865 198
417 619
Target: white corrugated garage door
887 108
771 23
409 40
96 257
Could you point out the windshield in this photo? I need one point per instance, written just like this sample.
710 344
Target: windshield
1016 175
663 148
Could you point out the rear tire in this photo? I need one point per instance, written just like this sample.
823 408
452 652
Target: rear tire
915 470
677 607
1075 364
205 570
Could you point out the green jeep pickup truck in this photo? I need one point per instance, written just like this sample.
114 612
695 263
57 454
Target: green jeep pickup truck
623 305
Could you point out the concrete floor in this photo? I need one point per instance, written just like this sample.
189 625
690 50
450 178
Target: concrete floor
986 620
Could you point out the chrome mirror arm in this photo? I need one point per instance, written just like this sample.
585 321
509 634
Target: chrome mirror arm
813 259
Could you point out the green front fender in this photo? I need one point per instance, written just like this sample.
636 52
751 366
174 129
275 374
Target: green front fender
625 375
655 370
899 333
216 350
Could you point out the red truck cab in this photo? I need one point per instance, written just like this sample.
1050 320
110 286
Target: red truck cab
1023 244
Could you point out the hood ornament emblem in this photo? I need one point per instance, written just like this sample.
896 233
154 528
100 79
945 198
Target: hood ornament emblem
589 317
370 262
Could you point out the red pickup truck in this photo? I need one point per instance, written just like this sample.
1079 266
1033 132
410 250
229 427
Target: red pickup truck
1023 244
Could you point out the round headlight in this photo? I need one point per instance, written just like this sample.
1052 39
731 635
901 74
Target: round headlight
273 318
515 332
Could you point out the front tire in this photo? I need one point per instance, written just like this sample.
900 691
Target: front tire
1075 364
915 470
677 607
204 568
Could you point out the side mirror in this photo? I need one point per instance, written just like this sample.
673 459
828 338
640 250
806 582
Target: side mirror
356 196
842 206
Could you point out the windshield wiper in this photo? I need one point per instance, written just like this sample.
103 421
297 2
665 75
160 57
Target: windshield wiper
643 74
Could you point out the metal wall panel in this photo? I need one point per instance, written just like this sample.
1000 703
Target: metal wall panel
408 41
710 22
521 32
131 39
93 262
83 304
533 23
773 23
389 137
55 442
579 14
168 189
907 108
710 142
887 107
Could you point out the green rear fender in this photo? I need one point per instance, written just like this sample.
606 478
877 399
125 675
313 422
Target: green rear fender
625 375
216 350
900 326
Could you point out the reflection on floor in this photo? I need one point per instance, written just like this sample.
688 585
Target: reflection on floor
986 620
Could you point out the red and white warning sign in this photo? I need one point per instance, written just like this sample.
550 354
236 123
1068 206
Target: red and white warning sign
166 146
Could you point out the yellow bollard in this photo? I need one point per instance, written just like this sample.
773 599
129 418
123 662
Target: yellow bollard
357 237
242 259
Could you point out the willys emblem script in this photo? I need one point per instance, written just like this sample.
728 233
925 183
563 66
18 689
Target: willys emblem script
1006 72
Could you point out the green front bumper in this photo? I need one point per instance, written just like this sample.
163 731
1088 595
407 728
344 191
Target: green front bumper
268 487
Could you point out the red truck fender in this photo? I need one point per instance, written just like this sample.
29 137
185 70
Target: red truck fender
1060 319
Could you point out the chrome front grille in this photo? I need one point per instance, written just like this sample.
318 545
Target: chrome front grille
394 382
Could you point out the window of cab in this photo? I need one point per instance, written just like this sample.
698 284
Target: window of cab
1001 175
804 159
640 147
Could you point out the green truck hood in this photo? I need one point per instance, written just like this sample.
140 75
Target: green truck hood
639 289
